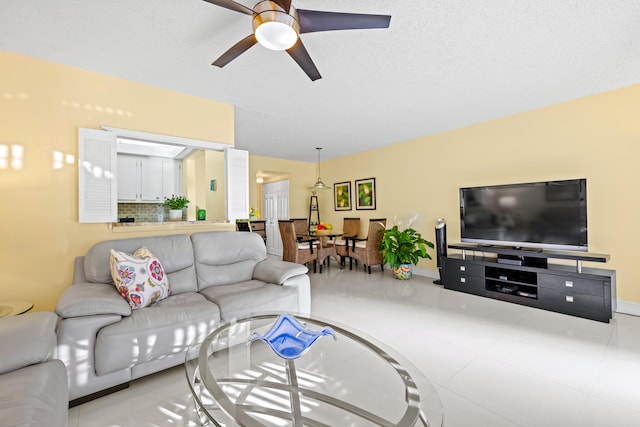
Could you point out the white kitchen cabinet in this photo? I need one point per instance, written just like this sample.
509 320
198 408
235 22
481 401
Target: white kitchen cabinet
151 179
171 178
128 178
147 179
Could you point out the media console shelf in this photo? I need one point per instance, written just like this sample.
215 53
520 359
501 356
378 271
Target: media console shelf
522 278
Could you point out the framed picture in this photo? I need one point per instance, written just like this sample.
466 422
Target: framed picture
366 194
342 196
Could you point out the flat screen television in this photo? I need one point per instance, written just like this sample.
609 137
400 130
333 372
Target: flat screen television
546 215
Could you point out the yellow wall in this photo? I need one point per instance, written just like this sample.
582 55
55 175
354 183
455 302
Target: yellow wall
215 200
42 105
300 175
198 169
597 138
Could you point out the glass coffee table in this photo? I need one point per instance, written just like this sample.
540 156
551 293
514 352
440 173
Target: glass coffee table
349 380
14 308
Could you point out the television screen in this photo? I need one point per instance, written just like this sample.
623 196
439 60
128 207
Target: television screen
547 215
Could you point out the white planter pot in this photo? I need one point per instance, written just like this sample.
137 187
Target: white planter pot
175 214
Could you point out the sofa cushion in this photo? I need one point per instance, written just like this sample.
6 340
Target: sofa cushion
277 271
140 280
175 251
26 339
226 257
253 296
37 395
88 299
166 327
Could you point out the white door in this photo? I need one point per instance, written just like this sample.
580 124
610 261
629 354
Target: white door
275 206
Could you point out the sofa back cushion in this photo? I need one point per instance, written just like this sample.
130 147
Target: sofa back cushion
226 257
174 252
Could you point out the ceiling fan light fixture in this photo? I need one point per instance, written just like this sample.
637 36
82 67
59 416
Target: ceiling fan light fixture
276 36
274 28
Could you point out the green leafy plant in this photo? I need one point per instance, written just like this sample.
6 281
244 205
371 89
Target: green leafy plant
403 247
176 202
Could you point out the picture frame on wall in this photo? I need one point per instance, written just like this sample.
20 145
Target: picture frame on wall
366 194
342 196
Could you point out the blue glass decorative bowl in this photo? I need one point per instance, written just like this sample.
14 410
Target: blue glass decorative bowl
289 338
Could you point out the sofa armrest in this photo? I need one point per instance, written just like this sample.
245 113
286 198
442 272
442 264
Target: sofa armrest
89 299
26 339
276 271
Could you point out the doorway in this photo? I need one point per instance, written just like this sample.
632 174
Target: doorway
275 206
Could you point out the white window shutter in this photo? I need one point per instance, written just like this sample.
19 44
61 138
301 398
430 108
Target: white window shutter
236 168
97 179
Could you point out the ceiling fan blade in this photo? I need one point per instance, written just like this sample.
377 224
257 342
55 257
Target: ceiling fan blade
299 54
231 5
315 20
235 51
285 4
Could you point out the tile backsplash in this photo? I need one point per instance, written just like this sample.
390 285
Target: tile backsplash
142 212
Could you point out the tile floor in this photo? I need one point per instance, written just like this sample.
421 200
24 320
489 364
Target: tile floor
495 364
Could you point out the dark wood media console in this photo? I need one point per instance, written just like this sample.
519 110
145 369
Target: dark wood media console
522 278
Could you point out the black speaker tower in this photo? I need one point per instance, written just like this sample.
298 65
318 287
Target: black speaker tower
441 247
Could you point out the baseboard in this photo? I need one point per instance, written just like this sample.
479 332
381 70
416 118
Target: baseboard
626 307
425 272
96 395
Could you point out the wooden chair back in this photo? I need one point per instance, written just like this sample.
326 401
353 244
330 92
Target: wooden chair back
292 250
243 225
374 236
301 226
351 227
368 251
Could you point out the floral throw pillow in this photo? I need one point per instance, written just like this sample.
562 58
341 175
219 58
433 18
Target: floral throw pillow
139 277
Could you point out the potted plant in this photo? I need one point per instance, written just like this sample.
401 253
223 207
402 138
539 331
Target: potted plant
403 248
175 204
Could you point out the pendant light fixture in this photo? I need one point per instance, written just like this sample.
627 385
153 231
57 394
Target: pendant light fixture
319 185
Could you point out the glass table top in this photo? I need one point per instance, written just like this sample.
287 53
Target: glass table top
352 380
14 308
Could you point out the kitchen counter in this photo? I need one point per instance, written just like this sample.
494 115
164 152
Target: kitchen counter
141 227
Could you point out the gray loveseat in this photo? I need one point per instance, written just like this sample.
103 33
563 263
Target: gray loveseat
213 276
33 386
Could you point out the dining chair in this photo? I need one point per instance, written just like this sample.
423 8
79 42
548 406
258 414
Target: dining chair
257 227
243 225
350 230
301 226
326 250
367 250
300 251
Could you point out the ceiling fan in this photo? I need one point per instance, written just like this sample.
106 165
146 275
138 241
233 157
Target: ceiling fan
277 24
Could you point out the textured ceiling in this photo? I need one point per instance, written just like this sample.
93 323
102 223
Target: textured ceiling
441 65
